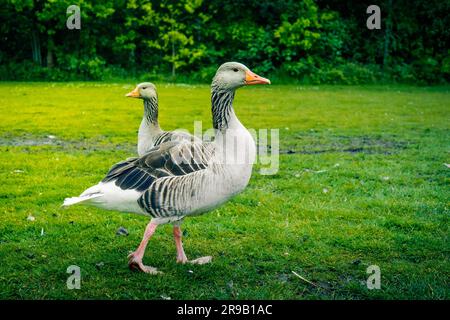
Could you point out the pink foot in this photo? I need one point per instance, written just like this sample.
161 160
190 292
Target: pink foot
182 259
135 263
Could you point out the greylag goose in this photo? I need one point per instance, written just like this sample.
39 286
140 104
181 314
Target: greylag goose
150 133
179 179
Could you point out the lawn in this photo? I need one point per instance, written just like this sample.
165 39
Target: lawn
362 181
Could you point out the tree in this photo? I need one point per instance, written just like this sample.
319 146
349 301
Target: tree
176 21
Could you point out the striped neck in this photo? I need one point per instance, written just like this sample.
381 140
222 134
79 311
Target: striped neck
221 107
151 110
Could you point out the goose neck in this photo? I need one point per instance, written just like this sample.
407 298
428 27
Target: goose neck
151 111
222 108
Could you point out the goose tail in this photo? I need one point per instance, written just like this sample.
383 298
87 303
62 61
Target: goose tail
80 199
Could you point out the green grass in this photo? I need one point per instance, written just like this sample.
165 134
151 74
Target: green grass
378 151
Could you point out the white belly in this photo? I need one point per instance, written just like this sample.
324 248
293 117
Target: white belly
237 152
230 172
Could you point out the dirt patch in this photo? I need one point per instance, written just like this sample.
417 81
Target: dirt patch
27 141
301 144
88 145
315 144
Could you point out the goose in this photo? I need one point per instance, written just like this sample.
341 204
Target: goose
177 179
150 133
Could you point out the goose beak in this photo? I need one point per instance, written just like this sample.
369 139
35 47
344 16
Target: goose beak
253 78
133 94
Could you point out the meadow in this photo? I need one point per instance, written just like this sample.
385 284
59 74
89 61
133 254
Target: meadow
362 181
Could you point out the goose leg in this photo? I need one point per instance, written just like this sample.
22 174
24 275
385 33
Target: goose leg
181 256
135 258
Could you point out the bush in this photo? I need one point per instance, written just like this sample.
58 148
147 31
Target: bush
29 71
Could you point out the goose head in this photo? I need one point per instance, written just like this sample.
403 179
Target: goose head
145 90
232 75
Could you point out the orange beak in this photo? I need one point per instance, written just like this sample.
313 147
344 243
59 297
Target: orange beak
253 78
133 94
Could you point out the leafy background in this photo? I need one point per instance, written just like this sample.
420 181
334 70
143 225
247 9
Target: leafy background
311 41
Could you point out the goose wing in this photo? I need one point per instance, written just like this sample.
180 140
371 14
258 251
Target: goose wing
175 136
165 160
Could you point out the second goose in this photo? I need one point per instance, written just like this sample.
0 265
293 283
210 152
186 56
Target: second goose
150 133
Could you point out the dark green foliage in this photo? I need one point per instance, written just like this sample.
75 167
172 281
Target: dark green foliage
311 41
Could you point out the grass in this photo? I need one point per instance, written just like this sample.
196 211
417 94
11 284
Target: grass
361 182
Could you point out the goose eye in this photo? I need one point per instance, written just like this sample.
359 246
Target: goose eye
235 70
144 88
